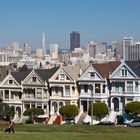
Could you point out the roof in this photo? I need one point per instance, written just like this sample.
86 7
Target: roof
20 75
4 70
72 71
106 68
44 74
135 66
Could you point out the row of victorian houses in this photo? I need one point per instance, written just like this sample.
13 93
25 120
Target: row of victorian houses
115 83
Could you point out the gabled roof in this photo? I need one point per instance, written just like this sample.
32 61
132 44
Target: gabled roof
72 71
20 75
105 68
4 71
135 66
45 74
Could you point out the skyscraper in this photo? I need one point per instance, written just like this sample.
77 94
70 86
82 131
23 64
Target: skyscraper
43 45
54 51
128 46
74 40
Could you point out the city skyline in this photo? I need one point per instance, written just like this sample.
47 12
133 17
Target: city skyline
97 20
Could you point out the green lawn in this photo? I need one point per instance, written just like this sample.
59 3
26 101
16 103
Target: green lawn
71 132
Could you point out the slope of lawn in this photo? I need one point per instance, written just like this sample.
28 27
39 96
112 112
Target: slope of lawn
70 132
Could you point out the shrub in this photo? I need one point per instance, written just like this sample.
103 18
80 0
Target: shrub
100 110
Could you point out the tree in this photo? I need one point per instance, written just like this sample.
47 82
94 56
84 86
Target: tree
69 111
33 113
6 112
100 110
133 108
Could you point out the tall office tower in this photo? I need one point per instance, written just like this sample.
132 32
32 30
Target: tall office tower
27 48
74 40
136 51
54 51
15 46
131 49
43 45
117 48
92 49
101 47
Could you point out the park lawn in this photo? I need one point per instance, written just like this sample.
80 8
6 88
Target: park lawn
71 132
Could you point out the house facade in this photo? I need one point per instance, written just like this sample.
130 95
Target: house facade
64 88
115 83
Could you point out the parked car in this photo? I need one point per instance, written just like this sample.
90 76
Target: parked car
106 123
134 123
70 121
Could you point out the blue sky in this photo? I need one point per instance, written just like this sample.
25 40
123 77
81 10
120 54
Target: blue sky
97 20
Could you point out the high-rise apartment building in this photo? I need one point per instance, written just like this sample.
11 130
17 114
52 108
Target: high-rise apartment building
74 40
128 44
27 48
54 51
131 49
92 49
43 45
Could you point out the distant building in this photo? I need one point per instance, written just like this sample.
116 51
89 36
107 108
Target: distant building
27 48
54 51
117 47
15 46
101 47
92 49
43 45
39 52
74 40
128 48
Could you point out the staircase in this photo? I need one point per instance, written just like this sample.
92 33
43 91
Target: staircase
81 118
112 116
23 119
52 119
16 120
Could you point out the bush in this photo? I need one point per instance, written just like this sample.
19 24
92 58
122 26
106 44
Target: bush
69 111
133 108
100 110
30 121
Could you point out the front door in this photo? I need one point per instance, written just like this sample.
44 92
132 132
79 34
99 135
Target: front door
116 104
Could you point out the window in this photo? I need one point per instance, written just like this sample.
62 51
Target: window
6 94
97 88
33 79
129 86
124 72
136 86
10 81
67 90
39 92
92 74
103 88
62 77
85 88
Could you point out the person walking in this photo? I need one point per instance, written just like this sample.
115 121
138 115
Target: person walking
11 126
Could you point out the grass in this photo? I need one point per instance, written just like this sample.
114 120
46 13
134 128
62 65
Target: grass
71 132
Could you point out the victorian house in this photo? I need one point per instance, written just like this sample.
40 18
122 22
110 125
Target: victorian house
125 85
27 89
64 88
93 84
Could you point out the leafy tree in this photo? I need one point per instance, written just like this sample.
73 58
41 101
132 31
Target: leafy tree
6 112
100 110
133 108
69 111
33 113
